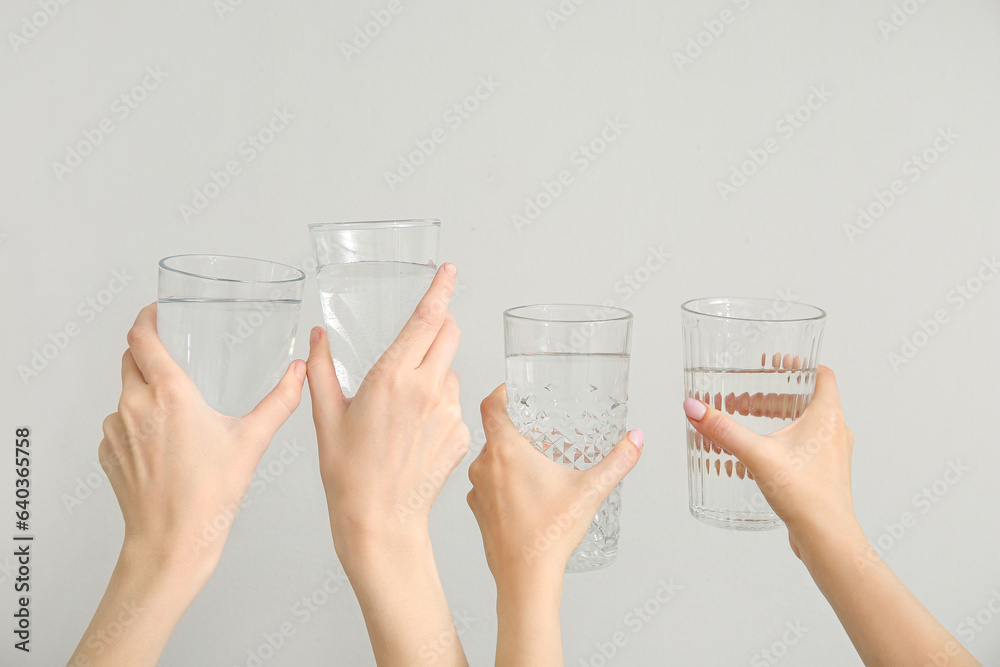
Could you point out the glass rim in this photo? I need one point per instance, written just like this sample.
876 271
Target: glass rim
687 306
624 315
299 273
374 224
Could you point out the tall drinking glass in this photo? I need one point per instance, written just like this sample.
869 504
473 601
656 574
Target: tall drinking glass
755 360
230 323
371 277
567 393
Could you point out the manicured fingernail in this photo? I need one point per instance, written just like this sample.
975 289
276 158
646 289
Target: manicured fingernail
694 408
314 335
299 368
450 269
636 436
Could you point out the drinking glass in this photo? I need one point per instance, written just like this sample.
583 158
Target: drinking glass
755 360
567 393
371 276
230 323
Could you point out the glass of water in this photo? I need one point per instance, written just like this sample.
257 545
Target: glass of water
371 277
755 360
230 323
567 393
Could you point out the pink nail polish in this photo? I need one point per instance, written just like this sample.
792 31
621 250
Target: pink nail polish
450 269
694 408
636 436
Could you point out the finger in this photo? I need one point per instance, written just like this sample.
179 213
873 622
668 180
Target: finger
422 328
738 440
275 408
442 351
610 470
150 355
496 421
132 379
826 388
328 401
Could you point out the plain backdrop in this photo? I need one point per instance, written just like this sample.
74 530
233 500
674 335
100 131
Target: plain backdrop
670 100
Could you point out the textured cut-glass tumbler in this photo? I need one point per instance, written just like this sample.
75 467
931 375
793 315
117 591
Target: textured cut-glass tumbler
755 360
230 323
567 393
371 277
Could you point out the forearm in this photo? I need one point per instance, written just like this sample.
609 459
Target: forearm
404 605
528 633
886 623
137 614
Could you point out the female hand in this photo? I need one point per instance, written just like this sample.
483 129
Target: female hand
803 470
533 513
180 471
384 456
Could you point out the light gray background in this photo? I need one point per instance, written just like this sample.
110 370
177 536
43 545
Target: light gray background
655 186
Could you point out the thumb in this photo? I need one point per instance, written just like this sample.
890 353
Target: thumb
275 408
610 470
738 440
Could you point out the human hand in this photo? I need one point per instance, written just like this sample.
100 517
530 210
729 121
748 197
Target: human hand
386 452
175 464
803 470
533 512
180 471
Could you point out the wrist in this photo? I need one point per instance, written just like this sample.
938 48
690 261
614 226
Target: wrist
838 537
363 548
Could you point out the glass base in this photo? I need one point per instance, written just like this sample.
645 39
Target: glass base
589 564
736 520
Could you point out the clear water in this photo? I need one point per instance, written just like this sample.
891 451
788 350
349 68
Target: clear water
572 408
365 305
723 492
234 350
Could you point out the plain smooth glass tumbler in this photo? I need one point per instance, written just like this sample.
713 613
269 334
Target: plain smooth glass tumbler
371 277
230 323
567 393
755 360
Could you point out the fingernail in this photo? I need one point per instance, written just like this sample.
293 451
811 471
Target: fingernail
694 408
299 368
314 336
450 269
636 436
